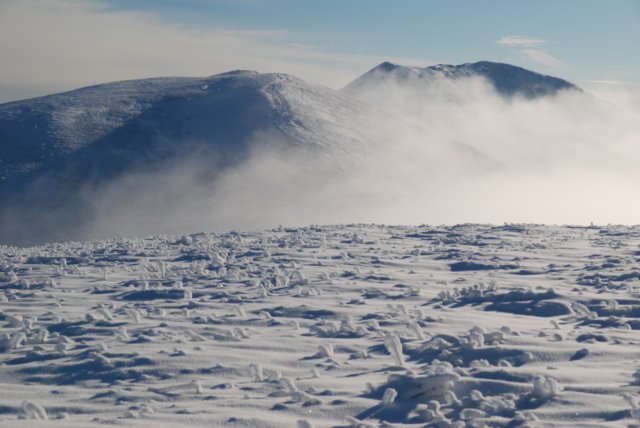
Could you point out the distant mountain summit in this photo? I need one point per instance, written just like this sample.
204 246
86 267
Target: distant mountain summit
508 80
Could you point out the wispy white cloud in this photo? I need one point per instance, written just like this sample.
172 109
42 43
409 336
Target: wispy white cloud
521 41
622 93
541 56
531 49
52 45
606 82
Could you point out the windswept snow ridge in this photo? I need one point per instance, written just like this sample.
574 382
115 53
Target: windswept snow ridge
359 325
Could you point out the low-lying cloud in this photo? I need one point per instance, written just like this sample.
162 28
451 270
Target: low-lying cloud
437 154
468 157
532 49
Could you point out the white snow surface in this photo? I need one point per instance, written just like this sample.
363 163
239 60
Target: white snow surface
351 325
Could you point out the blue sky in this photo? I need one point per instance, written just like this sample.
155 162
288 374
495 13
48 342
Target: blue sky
80 42
591 39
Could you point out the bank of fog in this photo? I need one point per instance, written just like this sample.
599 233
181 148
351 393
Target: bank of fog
443 155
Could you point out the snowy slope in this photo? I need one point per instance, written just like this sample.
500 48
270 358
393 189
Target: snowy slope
327 326
138 121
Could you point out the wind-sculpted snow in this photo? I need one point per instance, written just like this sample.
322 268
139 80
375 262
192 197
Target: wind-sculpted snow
358 325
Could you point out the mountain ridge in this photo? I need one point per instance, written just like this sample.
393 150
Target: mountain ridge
58 153
36 131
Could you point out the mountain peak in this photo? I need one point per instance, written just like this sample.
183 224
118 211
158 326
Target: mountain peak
235 73
508 80
386 66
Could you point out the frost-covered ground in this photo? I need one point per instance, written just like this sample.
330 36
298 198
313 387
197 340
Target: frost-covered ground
325 326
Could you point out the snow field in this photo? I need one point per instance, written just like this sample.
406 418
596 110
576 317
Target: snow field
359 325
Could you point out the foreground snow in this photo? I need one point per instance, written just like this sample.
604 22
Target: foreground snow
325 326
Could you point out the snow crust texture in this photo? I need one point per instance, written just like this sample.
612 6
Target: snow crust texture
358 325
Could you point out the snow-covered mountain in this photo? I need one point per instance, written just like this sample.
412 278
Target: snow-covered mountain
58 153
132 121
106 128
60 150
138 121
354 324
508 80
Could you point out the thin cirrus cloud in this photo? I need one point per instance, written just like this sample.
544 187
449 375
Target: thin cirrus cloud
541 56
521 41
532 49
84 42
